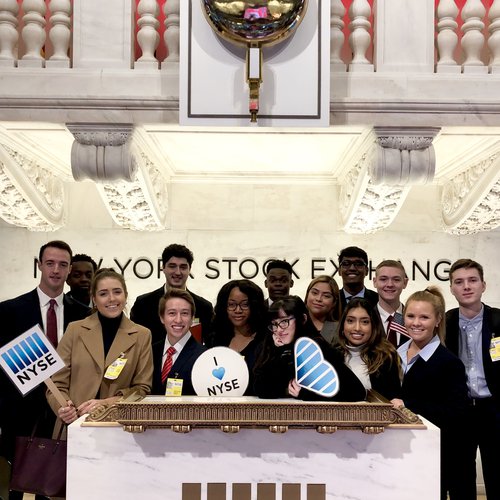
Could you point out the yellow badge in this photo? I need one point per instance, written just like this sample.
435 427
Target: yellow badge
115 368
495 349
174 387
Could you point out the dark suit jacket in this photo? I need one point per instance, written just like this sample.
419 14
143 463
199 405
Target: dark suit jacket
181 368
491 328
437 389
18 415
145 313
370 296
386 380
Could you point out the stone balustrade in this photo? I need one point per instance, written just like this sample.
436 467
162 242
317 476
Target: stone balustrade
466 33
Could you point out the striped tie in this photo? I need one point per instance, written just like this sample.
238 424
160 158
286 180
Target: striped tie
167 366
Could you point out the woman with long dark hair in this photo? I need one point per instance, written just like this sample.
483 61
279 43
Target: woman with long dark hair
366 350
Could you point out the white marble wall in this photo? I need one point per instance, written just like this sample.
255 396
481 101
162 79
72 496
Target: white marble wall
247 221
110 463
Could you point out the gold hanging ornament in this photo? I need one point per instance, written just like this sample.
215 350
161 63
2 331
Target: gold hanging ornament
254 23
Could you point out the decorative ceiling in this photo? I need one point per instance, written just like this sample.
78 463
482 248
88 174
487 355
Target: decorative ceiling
371 170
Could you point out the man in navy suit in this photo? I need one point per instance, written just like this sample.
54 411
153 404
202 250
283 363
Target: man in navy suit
177 261
353 269
390 280
472 332
174 357
18 415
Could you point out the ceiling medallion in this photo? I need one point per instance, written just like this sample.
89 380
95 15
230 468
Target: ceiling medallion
254 23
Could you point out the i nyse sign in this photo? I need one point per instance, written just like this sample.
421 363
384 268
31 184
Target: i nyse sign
228 268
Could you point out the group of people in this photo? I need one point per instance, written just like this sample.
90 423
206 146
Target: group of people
441 365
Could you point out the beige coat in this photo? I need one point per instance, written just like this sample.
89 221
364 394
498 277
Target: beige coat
81 349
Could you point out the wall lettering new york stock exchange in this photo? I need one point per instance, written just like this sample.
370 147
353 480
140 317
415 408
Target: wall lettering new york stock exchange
228 268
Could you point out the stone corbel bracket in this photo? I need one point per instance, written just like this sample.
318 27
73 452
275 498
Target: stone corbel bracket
129 181
375 188
471 200
31 196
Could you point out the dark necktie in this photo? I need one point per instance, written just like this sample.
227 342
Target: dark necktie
52 323
167 366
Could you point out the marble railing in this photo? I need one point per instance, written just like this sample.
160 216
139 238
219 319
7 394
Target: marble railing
466 33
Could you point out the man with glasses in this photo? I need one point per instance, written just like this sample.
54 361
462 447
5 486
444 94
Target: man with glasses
177 261
353 268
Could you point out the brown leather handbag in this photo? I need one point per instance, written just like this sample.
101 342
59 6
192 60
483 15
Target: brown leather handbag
39 466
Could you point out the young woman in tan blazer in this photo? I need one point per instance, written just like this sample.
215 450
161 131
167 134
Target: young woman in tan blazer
107 356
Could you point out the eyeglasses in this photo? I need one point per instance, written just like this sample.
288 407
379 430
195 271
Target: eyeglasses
232 306
346 264
283 324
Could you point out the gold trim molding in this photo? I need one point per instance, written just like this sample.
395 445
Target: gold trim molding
184 414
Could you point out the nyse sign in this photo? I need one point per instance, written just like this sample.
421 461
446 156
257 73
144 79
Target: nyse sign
228 268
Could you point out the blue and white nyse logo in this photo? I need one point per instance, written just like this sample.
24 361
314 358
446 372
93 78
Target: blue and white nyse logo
30 359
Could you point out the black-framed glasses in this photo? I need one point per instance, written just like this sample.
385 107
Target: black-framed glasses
232 306
346 264
283 324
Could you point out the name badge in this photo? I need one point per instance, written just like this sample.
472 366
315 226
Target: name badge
495 349
174 387
115 368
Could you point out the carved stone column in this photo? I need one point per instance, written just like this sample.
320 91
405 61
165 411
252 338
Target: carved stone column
101 152
390 160
126 174
471 200
404 155
31 193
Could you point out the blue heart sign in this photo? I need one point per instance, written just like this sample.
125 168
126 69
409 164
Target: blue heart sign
312 371
221 372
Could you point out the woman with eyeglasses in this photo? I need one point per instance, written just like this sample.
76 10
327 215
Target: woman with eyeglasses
366 350
323 304
274 371
239 321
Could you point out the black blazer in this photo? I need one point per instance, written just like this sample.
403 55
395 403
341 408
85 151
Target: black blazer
437 389
386 380
370 296
491 328
18 414
181 368
145 313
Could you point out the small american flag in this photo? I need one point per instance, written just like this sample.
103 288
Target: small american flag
397 325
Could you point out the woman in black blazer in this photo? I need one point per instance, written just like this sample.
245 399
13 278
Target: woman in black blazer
434 384
366 350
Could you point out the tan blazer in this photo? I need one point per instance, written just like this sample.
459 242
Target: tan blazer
81 348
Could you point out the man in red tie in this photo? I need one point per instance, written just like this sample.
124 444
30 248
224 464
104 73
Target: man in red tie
174 357
47 306
390 280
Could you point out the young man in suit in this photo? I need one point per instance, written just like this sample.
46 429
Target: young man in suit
18 415
177 261
174 357
353 268
278 280
390 280
83 268
472 333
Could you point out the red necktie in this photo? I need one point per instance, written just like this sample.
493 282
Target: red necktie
167 366
392 336
52 323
